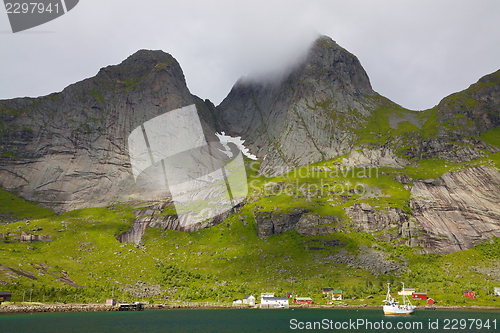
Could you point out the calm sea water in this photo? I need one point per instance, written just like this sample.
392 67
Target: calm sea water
252 320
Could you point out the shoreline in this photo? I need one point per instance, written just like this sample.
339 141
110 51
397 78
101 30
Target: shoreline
12 309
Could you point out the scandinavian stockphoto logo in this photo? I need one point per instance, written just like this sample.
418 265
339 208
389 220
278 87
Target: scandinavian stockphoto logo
26 15
169 154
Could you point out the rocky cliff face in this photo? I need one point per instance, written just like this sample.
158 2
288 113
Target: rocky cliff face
456 211
307 115
306 224
386 223
155 217
69 150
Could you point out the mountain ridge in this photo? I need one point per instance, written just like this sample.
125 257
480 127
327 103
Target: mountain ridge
59 146
69 150
351 190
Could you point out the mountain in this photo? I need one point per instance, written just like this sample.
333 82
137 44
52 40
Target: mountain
350 190
69 150
306 116
325 108
319 125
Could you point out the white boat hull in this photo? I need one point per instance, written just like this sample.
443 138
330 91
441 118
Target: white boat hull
391 310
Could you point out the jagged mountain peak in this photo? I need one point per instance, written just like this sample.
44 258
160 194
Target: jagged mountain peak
334 62
141 64
147 59
325 60
305 116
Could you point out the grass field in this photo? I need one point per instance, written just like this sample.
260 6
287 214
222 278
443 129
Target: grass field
227 261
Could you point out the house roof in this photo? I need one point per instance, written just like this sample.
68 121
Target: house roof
5 293
327 289
303 298
275 298
336 291
248 296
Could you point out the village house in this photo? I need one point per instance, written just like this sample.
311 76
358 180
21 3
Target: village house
237 302
271 302
303 300
430 301
419 296
497 291
111 302
469 294
262 295
289 294
249 300
407 292
327 291
337 295
5 296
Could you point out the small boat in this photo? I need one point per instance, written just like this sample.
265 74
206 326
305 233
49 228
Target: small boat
393 308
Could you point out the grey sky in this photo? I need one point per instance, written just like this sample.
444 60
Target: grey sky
415 52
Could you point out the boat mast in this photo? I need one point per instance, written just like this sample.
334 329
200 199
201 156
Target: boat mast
404 294
388 297
406 299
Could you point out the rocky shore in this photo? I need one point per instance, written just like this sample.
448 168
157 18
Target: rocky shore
97 307
8 309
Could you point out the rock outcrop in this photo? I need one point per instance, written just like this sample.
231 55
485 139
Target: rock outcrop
156 216
386 223
368 258
269 223
25 237
457 211
374 158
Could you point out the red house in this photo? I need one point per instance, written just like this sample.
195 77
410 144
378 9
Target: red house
470 294
327 290
419 296
306 300
5 296
430 301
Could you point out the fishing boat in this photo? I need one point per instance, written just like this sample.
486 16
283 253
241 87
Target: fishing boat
393 308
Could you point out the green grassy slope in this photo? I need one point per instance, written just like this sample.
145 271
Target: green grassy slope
227 261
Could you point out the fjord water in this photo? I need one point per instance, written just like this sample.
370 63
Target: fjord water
244 320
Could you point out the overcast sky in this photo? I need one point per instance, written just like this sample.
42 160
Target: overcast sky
415 52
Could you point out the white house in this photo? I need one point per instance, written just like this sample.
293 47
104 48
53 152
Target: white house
270 302
407 292
249 300
497 291
237 302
